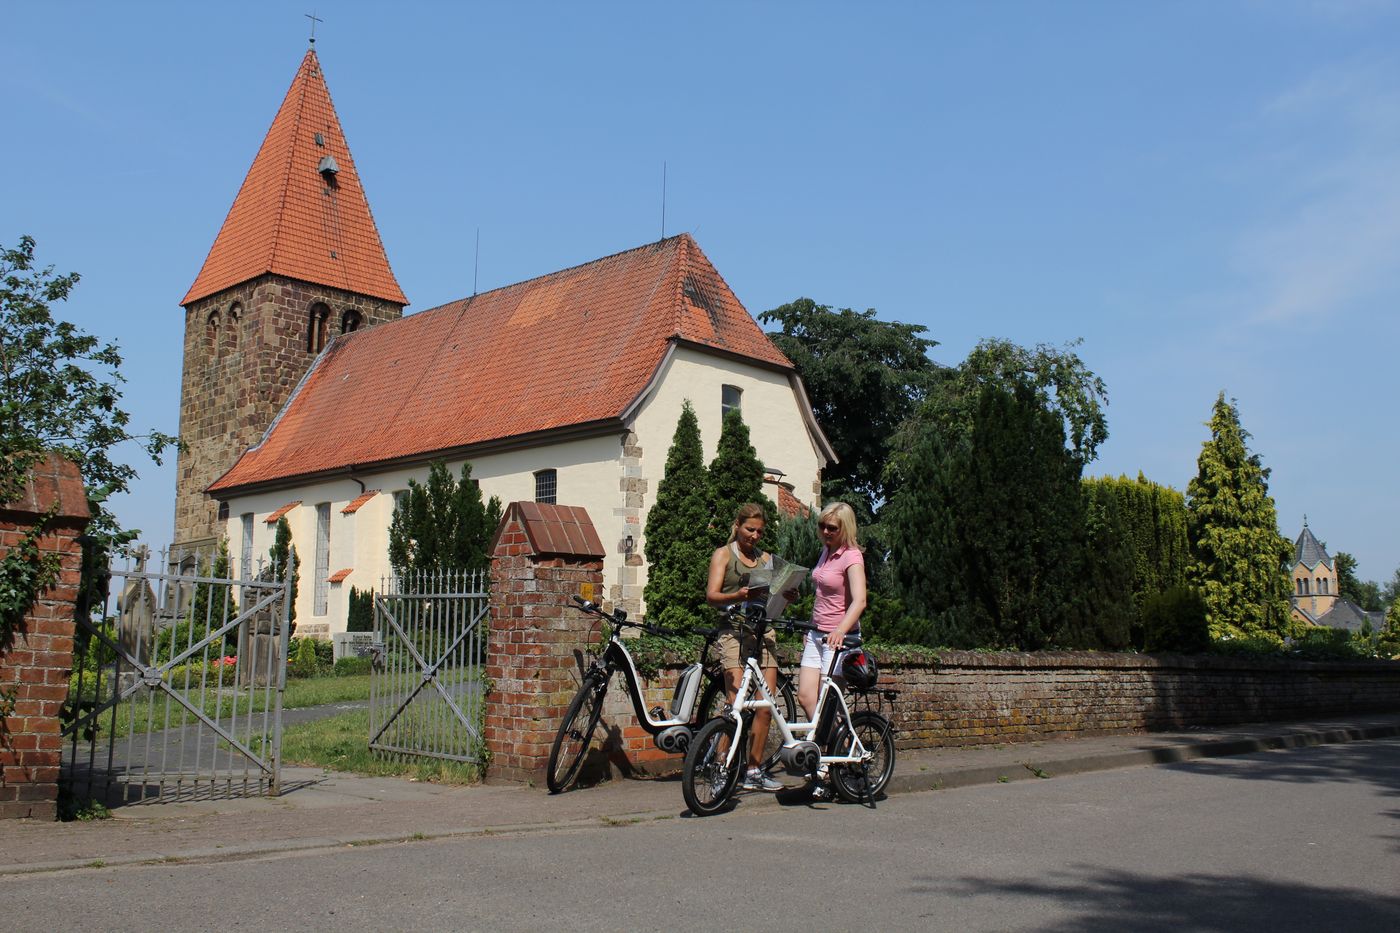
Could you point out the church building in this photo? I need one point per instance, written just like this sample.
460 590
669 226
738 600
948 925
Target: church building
1316 600
307 394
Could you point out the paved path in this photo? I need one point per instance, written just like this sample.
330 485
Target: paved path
323 810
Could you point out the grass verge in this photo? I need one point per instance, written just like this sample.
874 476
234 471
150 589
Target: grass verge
339 743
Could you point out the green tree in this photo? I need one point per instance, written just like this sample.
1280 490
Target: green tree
1154 527
442 525
863 377
359 615
985 531
283 560
1238 558
1390 590
1389 641
213 604
677 537
1102 611
1365 593
736 477
59 390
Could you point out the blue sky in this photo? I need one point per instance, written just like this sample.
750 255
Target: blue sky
1208 193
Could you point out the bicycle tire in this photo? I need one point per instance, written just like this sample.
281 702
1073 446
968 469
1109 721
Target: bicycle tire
707 785
859 783
565 761
713 701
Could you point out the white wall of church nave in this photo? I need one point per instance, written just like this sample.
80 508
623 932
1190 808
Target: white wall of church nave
588 475
771 410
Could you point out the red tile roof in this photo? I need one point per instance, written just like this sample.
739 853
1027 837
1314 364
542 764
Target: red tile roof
789 505
287 220
340 575
550 529
358 501
573 348
272 519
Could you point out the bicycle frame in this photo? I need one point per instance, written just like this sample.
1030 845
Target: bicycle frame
792 732
616 657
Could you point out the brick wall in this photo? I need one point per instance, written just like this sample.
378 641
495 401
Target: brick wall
971 698
36 661
234 383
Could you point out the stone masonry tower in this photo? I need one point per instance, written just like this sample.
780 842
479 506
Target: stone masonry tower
297 262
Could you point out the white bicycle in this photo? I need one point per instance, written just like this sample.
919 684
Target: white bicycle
856 747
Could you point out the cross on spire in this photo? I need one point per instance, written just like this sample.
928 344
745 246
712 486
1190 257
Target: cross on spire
314 20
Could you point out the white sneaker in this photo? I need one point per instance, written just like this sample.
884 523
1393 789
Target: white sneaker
758 779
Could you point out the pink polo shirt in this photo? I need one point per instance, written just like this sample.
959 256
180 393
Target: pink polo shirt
833 593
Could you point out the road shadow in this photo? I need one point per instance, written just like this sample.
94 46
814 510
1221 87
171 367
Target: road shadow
1109 900
1376 763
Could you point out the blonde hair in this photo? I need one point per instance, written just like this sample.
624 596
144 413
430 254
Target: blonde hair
845 518
746 511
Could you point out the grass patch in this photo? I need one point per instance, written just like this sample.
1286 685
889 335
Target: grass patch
318 691
340 743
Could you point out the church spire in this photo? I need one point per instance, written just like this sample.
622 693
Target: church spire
301 212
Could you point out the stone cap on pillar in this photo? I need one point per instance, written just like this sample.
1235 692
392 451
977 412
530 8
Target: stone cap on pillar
548 531
53 481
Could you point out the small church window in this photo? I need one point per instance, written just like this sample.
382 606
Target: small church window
1322 585
730 398
235 316
546 486
212 335
350 321
1303 587
317 328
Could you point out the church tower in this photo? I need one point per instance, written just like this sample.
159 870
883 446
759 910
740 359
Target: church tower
297 262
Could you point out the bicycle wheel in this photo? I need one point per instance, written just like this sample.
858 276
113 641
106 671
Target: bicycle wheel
575 733
857 783
706 783
713 702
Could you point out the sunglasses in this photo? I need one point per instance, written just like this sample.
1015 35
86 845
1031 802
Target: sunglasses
825 527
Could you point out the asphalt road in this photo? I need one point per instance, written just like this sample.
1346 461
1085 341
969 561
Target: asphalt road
1304 839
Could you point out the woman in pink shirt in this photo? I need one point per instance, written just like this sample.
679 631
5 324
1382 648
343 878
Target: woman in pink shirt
839 578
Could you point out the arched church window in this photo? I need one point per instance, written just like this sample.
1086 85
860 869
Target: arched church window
350 321
235 319
317 328
211 335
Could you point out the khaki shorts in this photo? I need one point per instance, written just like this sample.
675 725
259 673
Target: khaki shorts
734 647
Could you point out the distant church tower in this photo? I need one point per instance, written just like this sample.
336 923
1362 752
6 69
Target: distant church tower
1314 578
297 261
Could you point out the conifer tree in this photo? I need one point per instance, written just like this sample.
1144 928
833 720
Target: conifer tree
676 540
442 525
285 564
986 530
736 477
1238 558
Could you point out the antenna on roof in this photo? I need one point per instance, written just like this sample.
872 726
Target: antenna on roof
314 20
476 267
663 200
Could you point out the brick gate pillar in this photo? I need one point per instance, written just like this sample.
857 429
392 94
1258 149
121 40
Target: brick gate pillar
37 657
543 555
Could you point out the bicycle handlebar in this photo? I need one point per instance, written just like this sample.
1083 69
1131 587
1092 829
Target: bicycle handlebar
619 619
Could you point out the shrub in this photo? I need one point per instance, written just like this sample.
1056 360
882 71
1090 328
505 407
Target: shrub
349 667
1175 620
1316 643
303 658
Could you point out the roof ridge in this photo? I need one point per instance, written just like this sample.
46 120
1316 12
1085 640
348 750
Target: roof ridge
557 272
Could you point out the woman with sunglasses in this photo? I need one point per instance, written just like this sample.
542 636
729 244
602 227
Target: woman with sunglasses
730 568
839 579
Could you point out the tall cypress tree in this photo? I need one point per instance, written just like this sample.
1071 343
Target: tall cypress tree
1238 558
442 525
676 539
286 564
736 477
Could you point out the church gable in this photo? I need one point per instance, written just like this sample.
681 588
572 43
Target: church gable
565 354
301 212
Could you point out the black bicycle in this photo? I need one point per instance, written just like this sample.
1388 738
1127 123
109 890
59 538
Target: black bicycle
698 697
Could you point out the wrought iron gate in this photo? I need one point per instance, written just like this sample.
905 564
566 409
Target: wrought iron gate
177 684
430 646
